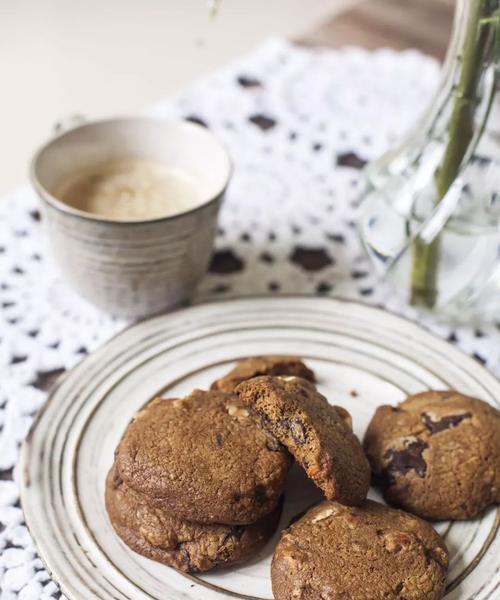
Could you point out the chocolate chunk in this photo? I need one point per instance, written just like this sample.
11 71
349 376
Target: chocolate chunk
117 480
264 418
405 460
187 557
297 431
432 555
273 444
260 495
234 533
446 422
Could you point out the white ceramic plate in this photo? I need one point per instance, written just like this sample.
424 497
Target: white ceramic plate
363 357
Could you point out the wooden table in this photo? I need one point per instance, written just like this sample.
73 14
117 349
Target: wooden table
400 24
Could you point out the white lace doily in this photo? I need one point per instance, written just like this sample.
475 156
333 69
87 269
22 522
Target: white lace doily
299 124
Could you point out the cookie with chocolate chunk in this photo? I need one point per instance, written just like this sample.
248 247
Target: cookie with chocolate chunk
262 365
316 433
191 547
370 551
203 458
437 454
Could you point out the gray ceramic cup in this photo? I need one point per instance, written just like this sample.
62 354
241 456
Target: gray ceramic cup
133 268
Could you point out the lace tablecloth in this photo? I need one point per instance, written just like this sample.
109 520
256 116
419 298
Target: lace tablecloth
299 125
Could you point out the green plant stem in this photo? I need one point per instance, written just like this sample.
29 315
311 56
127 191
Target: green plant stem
426 256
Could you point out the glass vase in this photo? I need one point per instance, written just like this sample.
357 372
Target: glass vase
430 216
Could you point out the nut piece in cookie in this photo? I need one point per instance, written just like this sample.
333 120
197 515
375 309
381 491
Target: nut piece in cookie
316 433
437 454
187 546
262 365
203 458
370 551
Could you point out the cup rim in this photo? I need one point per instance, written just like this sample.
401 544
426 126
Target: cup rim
57 204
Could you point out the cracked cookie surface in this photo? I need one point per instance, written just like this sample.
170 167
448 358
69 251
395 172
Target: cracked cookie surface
359 553
203 458
437 454
262 365
187 546
317 434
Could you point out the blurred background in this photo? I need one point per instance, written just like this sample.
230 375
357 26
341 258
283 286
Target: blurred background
101 58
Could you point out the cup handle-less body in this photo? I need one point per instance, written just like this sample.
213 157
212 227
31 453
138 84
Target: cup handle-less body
132 269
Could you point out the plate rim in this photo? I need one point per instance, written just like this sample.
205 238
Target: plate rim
24 480
292 296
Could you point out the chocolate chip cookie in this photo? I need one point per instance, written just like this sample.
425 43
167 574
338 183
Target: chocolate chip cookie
437 454
317 435
187 546
203 458
362 553
262 365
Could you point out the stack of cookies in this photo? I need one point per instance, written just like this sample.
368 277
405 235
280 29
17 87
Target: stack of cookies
198 482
